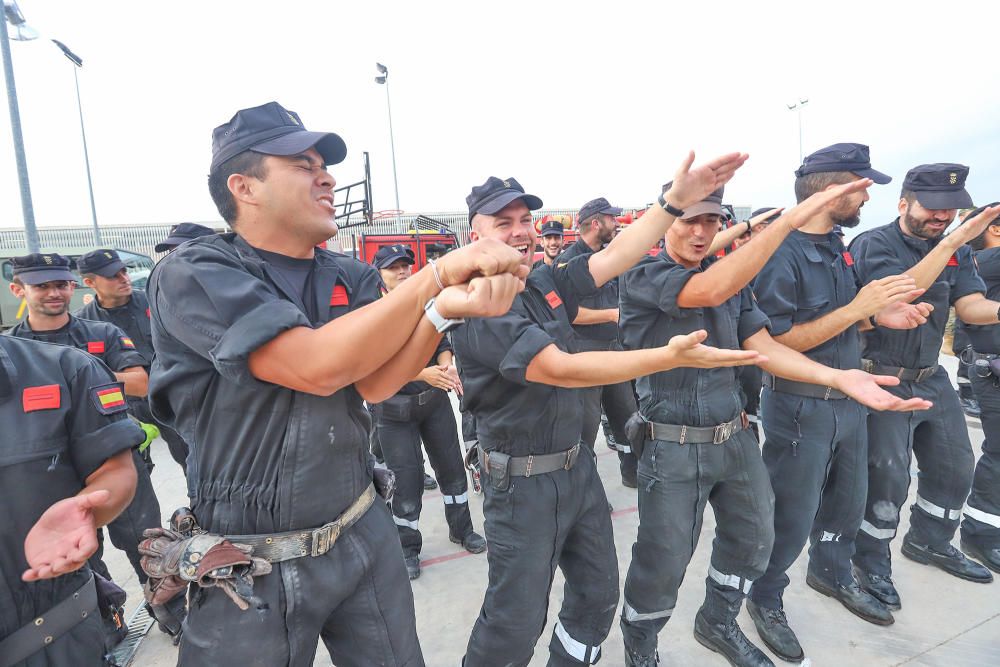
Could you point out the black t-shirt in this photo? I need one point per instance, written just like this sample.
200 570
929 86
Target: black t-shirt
295 271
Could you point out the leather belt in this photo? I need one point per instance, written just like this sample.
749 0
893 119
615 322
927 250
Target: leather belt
298 543
425 397
802 388
536 464
50 626
904 374
697 434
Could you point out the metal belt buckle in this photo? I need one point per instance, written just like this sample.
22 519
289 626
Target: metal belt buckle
722 433
684 432
571 456
867 365
422 397
323 538
925 373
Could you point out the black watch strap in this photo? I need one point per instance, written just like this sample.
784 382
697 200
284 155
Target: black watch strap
669 208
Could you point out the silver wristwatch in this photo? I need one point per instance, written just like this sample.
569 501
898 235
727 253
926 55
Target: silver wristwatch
440 322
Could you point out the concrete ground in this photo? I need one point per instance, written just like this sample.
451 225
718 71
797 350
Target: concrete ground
945 622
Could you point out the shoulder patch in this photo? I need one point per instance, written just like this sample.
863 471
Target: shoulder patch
952 261
109 398
848 259
339 296
45 397
95 346
553 299
127 343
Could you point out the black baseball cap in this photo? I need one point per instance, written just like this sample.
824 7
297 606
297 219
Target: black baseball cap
495 194
181 232
551 228
599 205
38 268
842 157
273 130
104 262
711 204
765 209
939 186
388 254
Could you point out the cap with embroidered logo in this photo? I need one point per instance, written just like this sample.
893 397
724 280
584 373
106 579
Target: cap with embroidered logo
105 262
495 194
939 186
38 268
388 254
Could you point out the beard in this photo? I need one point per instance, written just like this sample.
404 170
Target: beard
848 219
918 227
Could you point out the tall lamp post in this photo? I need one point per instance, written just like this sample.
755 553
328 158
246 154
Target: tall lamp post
22 33
798 107
384 80
78 64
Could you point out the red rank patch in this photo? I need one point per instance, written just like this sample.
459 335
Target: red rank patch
147 314
553 299
953 261
46 397
95 347
848 259
339 296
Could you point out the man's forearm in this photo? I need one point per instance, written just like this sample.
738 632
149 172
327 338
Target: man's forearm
591 369
135 379
628 247
977 309
408 362
789 364
727 237
118 477
927 270
596 316
808 335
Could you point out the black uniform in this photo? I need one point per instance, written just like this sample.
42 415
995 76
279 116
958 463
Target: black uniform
133 319
617 400
816 448
50 397
420 411
981 525
266 459
110 344
937 436
539 522
675 479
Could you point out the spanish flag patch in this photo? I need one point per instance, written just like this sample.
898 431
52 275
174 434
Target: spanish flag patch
109 398
127 343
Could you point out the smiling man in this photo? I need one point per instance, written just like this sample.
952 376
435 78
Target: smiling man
552 239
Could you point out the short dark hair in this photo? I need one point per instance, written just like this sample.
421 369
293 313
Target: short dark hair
583 224
247 163
17 281
908 195
809 184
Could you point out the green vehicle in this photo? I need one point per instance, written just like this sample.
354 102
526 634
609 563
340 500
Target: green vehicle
12 309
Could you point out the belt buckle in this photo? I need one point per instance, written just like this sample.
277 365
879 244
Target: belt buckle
323 538
571 456
422 397
925 373
722 433
867 365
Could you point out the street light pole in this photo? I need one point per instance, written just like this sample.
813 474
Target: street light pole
798 107
13 15
384 80
78 64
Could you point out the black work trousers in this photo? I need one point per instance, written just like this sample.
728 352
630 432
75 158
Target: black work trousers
816 455
981 523
675 483
939 439
401 423
538 523
356 597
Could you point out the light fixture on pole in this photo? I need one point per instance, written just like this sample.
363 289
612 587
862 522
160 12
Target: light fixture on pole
384 80
798 107
13 21
78 64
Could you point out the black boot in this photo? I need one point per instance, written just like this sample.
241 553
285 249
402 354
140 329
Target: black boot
857 600
772 626
473 542
727 639
412 567
633 659
948 558
988 557
880 587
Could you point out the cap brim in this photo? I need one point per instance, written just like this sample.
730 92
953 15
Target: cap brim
330 145
388 261
503 201
552 232
109 270
937 200
46 276
703 208
875 175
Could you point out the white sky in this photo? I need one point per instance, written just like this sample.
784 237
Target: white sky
574 99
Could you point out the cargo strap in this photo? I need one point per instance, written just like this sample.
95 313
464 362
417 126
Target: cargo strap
803 388
904 374
298 543
41 632
695 435
536 464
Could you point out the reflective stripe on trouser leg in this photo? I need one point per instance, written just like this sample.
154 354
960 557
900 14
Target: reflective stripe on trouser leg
631 615
878 533
456 500
404 523
623 449
979 515
937 510
588 655
731 580
829 537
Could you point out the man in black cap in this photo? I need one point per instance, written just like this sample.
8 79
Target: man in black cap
116 302
65 470
691 431
545 506
981 523
421 410
817 439
597 329
182 233
46 284
552 240
263 356
915 244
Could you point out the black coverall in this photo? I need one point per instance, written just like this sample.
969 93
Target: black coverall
267 459
938 436
56 434
677 480
981 524
110 344
420 411
816 449
537 523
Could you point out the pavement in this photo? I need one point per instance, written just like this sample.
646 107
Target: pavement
945 622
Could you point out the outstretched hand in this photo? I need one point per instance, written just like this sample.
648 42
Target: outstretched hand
866 389
799 215
970 229
904 315
64 537
687 350
691 185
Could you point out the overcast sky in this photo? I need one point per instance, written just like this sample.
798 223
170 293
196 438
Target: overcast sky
574 99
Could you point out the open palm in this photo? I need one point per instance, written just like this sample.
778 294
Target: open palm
64 537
